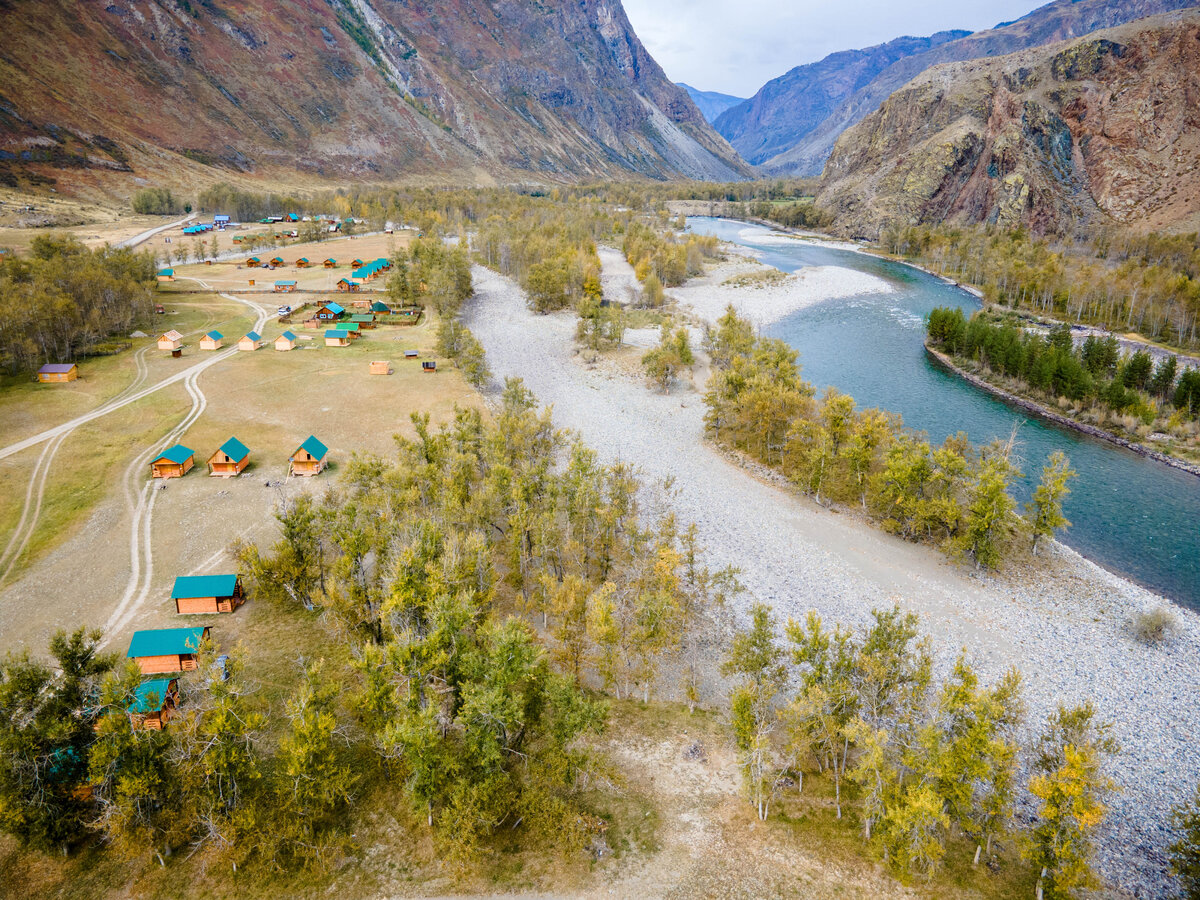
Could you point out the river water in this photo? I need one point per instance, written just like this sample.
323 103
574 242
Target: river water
1136 517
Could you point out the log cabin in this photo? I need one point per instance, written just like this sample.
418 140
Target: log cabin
363 320
53 373
286 341
232 457
329 263
174 462
207 594
167 649
251 340
172 340
212 341
303 263
165 275
381 309
277 261
284 287
327 313
346 286
336 337
253 262
356 264
154 703
309 458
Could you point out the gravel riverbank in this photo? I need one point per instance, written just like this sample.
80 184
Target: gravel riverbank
1065 625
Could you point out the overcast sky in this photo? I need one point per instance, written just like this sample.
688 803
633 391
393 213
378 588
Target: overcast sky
736 46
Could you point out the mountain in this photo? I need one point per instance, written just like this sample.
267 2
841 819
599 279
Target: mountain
791 106
711 103
1060 20
329 89
1099 130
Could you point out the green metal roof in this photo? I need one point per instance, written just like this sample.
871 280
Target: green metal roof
364 319
348 326
189 586
178 454
313 448
165 641
235 450
379 306
142 696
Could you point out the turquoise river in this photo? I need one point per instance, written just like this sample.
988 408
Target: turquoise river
1136 517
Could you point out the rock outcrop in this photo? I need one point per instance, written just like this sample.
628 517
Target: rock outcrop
456 90
806 154
1101 129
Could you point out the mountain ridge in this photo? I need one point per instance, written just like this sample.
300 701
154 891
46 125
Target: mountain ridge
710 103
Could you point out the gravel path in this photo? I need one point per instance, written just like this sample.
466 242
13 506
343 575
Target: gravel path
1065 627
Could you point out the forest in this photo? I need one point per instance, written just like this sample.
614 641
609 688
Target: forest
63 301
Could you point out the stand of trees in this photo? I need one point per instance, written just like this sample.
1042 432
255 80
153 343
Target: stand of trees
1094 373
62 300
954 496
1118 279
918 762
668 259
156 202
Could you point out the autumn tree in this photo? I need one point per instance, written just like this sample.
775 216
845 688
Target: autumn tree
1045 509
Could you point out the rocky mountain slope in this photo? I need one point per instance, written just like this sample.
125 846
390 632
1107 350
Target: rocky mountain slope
1105 128
1057 21
458 89
711 103
789 107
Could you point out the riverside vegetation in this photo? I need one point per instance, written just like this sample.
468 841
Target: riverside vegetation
954 496
1093 382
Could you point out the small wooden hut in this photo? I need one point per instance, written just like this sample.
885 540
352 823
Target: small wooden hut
174 462
286 341
346 286
212 341
154 702
284 287
165 275
329 263
356 264
363 320
230 459
253 262
277 261
200 594
337 337
166 649
381 309
303 263
428 366
52 373
381 367
172 340
251 340
309 458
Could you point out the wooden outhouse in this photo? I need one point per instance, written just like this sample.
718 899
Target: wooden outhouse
166 649
284 287
212 341
381 367
165 275
286 341
172 340
253 262
329 263
154 702
428 366
337 337
251 340
200 594
174 462
230 459
56 372
303 263
309 458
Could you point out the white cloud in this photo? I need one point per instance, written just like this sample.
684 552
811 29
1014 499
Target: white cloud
736 46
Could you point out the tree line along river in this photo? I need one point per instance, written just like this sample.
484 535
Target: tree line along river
1136 517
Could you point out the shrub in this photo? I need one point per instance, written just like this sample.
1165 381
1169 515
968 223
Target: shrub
1154 626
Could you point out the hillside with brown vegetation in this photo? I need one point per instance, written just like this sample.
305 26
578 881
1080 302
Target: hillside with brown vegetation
106 93
1100 130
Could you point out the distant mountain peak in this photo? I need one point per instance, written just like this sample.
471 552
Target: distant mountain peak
710 103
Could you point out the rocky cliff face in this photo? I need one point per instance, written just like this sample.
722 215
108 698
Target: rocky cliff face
453 89
1057 21
788 108
1097 130
711 103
